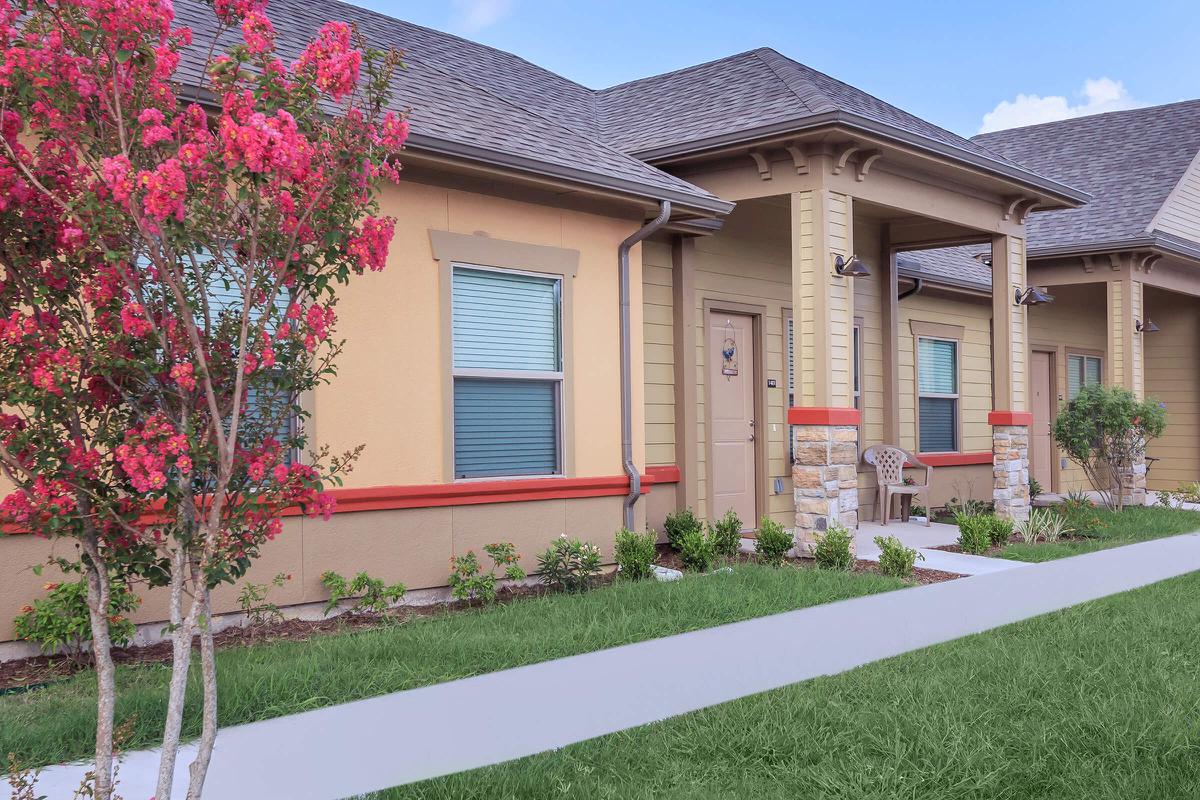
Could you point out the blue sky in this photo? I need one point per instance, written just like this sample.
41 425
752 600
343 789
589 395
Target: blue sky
952 63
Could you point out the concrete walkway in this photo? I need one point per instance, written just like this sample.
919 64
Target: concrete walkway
924 538
408 736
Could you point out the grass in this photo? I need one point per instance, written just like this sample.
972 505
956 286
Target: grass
57 723
1097 702
1132 525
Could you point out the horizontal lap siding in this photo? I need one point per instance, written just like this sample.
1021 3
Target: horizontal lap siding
1180 215
1172 377
659 353
867 293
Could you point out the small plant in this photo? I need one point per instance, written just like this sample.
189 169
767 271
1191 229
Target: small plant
698 551
726 534
894 558
918 511
373 596
468 581
773 542
60 621
254 604
1035 488
1188 492
833 548
635 554
1080 515
1000 530
1053 528
570 564
1165 499
679 524
1077 500
1030 528
973 532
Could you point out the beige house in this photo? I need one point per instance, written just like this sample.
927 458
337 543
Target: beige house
711 288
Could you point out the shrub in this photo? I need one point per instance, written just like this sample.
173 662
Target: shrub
894 558
1035 488
373 596
726 534
468 582
973 532
570 564
1164 499
1000 530
1188 492
635 554
1105 430
698 551
1029 528
1053 527
918 511
773 542
60 620
833 548
254 604
679 524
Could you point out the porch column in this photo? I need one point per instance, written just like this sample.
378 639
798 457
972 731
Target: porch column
1125 363
683 303
824 475
1010 417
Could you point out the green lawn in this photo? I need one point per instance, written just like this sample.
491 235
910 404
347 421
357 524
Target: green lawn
1096 702
1131 525
56 724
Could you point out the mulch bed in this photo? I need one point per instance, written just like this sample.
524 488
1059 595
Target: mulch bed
36 671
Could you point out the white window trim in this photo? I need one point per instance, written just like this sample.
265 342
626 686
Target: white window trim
557 377
956 396
1083 377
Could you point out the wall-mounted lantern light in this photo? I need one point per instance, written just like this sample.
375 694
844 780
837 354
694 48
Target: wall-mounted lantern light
851 268
1146 327
1032 296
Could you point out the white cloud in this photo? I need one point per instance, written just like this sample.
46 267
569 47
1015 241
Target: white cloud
475 15
1097 96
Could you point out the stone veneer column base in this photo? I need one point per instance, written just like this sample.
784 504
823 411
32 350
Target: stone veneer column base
1010 470
825 481
1134 480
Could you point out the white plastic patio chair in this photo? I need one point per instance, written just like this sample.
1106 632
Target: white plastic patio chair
889 462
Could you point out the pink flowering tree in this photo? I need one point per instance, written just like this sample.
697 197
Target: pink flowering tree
168 279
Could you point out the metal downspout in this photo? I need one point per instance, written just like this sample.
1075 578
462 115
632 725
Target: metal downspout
635 477
917 286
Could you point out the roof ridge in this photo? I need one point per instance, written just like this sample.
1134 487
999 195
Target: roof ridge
772 58
677 71
1088 117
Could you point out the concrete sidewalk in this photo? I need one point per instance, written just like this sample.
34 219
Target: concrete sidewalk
408 736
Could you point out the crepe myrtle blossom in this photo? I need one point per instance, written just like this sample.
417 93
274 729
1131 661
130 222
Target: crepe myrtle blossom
144 240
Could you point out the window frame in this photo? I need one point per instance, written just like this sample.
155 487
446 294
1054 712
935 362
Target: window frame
856 374
956 396
1084 355
557 378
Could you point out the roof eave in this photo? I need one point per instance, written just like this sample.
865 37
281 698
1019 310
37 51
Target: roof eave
683 201
1171 246
1069 196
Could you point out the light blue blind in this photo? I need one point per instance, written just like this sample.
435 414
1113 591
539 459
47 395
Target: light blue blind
938 360
1081 371
504 427
791 356
857 361
939 424
505 321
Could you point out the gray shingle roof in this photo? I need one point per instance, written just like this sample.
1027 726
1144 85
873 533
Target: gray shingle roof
1128 160
953 265
468 98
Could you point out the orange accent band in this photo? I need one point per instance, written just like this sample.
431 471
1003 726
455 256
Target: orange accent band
954 459
665 473
1018 418
824 416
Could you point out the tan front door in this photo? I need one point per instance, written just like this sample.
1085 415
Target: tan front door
731 382
1040 442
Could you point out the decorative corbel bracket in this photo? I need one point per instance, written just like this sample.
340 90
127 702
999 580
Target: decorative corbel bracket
865 159
1115 260
764 166
799 157
1024 208
844 157
1019 206
1089 263
1147 261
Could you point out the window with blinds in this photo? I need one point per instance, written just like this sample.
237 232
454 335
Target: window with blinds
1082 371
937 395
508 373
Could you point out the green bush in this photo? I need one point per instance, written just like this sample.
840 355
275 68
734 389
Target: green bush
635 554
679 524
726 534
773 542
252 599
698 551
1000 530
833 548
373 595
570 564
60 620
467 580
974 532
894 558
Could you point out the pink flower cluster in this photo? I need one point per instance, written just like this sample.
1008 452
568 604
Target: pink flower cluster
184 376
230 10
149 451
46 498
370 245
260 142
52 369
258 33
165 189
320 320
333 60
154 131
133 320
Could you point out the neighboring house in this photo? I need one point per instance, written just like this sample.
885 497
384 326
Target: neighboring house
1125 260
484 368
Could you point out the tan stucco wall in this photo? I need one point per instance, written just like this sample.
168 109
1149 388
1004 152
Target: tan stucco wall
1172 356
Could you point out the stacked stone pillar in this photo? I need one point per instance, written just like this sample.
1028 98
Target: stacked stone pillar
1133 478
825 481
1010 470
1010 421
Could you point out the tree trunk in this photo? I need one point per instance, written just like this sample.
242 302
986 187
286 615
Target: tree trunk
208 668
182 631
106 691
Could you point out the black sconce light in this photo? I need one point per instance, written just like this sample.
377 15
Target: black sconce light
852 268
1146 327
1032 297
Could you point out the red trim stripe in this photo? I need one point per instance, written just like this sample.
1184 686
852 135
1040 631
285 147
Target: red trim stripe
664 473
1016 418
824 416
954 459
